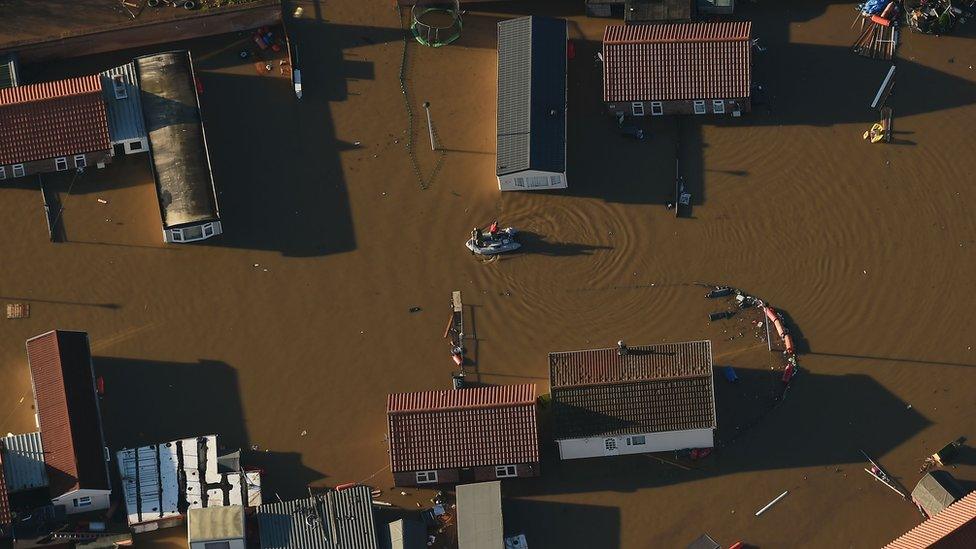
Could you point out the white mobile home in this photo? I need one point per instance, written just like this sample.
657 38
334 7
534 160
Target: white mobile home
633 400
531 146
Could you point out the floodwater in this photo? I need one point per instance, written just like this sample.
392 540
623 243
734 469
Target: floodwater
298 318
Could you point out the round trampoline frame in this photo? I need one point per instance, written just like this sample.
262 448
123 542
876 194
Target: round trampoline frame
434 36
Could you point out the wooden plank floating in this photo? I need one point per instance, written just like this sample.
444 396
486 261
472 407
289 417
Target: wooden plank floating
771 503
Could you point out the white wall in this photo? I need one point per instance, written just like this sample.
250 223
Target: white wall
99 500
234 543
520 181
576 448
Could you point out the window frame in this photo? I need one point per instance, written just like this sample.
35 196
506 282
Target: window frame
176 235
20 168
83 159
637 106
426 477
84 501
506 471
58 163
3 172
718 106
633 440
657 108
700 103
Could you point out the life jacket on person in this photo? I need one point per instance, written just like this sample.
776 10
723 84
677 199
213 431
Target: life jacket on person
493 228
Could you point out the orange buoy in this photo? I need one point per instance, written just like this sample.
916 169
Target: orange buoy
770 314
780 329
345 486
736 545
881 20
458 359
788 343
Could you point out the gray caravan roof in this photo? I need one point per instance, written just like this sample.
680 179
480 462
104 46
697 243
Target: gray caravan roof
531 95
177 144
124 114
338 519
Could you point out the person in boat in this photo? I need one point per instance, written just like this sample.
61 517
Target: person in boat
493 229
477 237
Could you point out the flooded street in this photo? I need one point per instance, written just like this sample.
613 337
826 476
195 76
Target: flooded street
298 317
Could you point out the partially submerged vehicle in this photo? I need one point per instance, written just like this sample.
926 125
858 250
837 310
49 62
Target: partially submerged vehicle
493 241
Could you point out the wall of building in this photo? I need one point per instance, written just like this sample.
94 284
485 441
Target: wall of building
576 448
193 233
123 36
99 500
475 474
234 543
157 524
92 160
680 107
522 181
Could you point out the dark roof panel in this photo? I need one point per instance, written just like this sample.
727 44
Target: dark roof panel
531 95
650 389
463 428
677 62
657 10
177 143
67 410
52 119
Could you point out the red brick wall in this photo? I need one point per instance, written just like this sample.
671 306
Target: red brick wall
48 165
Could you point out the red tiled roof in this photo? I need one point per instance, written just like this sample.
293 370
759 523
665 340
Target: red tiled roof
53 119
953 527
681 61
651 389
67 411
463 428
4 501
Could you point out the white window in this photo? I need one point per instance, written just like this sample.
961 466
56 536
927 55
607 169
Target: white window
505 471
82 502
519 181
135 146
119 86
538 181
699 107
657 108
18 170
638 440
177 235
80 161
637 108
610 444
426 477
61 164
718 106
555 180
208 230
3 172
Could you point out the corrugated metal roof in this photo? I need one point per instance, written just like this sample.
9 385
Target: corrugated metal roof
298 524
23 462
5 517
351 518
531 95
642 363
125 107
650 389
479 516
8 70
177 142
953 528
682 61
67 410
215 523
657 10
463 428
337 519
52 119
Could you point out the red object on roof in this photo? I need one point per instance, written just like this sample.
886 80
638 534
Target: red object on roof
676 62
67 411
463 428
53 119
953 527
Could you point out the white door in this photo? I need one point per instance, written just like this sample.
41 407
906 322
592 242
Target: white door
610 446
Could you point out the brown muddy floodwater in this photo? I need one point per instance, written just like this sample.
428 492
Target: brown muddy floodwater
298 317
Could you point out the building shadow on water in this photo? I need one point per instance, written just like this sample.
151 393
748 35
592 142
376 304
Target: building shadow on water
757 432
148 402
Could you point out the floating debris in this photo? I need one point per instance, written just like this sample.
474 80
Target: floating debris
18 310
771 503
